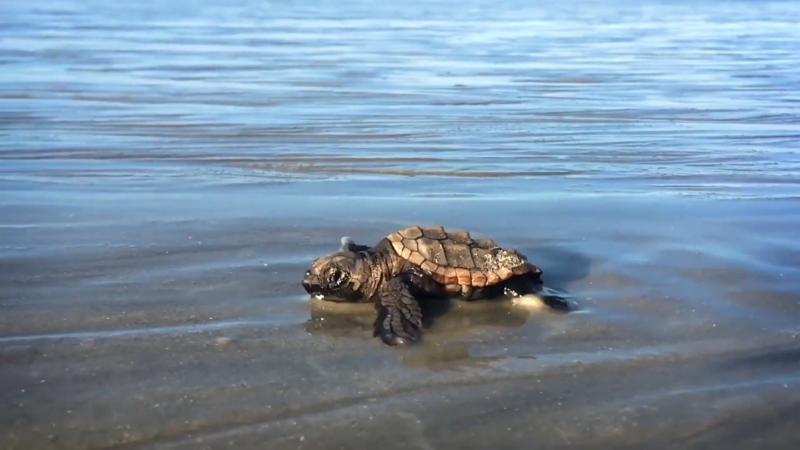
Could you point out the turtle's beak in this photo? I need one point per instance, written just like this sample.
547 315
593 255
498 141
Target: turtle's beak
311 284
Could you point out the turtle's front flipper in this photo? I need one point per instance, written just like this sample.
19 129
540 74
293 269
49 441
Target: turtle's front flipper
520 285
399 316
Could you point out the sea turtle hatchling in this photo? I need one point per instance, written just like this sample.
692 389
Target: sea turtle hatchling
418 262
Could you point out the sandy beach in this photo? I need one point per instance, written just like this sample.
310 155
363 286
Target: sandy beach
167 175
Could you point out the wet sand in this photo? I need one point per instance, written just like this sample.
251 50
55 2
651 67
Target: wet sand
168 173
188 328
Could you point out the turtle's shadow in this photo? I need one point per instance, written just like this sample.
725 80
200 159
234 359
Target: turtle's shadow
434 308
447 315
340 319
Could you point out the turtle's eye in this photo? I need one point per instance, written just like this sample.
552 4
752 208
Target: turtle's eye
338 278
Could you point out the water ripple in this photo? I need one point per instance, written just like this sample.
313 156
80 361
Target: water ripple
626 91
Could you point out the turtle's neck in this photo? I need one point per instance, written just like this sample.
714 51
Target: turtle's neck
381 263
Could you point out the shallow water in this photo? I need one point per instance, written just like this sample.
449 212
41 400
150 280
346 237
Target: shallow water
168 171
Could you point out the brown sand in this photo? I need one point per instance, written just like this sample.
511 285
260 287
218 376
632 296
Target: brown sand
175 330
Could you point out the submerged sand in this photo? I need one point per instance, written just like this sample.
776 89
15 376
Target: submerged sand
186 327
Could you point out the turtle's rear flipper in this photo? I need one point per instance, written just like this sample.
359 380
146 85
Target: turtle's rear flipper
518 286
554 301
399 316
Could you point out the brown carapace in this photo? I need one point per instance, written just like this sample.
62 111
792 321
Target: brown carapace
456 260
422 262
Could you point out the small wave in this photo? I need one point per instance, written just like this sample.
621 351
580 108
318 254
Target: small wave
408 172
175 329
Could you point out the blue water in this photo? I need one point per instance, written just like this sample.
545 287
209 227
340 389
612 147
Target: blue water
697 97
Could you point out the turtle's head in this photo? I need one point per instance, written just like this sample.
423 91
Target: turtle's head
340 277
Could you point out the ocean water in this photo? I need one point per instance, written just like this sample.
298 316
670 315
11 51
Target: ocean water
168 170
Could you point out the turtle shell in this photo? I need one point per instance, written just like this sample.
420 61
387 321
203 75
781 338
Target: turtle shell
456 259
